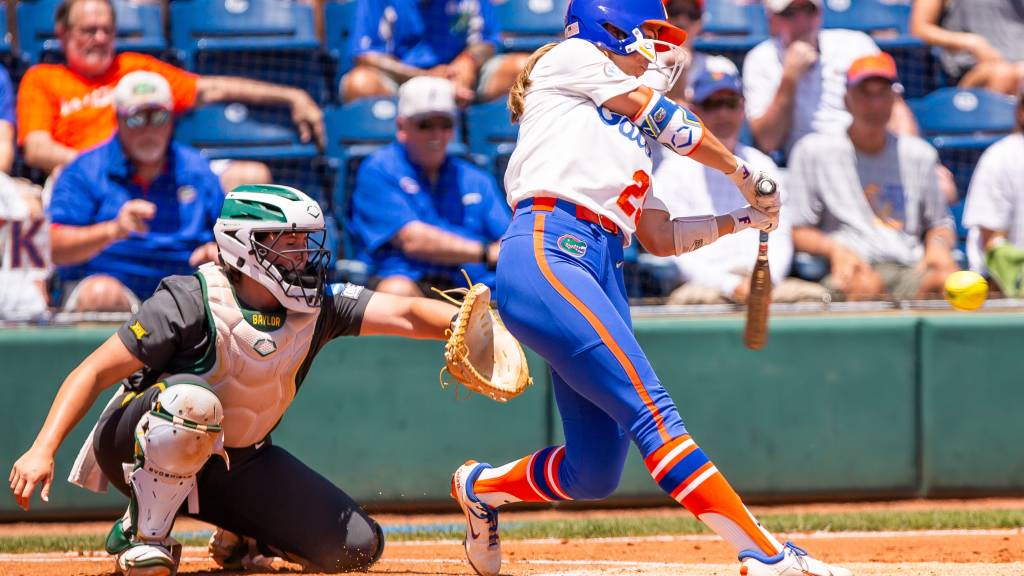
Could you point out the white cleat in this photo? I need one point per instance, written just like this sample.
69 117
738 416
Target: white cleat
143 559
792 561
483 545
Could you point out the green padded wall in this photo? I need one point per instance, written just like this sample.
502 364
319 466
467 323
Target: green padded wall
973 403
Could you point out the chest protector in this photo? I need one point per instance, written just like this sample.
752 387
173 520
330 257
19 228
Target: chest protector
253 372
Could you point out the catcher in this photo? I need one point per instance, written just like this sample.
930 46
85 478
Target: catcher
207 368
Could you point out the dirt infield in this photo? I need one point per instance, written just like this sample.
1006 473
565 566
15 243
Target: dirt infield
928 553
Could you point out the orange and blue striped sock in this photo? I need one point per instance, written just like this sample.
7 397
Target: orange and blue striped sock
683 471
533 478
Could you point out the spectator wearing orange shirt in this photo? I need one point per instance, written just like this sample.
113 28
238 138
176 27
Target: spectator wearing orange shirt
66 109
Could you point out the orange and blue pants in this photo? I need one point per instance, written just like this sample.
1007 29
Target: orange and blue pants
560 291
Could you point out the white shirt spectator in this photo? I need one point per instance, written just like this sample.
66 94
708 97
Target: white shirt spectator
24 255
689 189
995 198
819 103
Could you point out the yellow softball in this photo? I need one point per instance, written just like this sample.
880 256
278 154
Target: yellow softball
966 290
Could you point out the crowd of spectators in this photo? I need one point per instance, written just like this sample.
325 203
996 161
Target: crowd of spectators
120 204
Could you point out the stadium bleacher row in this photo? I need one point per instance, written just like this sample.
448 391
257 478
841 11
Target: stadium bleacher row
276 40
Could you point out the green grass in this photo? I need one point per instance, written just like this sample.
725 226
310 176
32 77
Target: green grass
625 526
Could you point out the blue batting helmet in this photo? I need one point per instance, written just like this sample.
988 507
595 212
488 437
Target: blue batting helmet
588 20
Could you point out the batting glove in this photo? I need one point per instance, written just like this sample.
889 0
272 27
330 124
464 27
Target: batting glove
750 217
747 179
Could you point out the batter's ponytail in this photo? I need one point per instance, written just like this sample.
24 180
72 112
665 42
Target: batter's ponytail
517 95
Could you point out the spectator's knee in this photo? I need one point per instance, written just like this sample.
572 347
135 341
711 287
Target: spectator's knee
100 293
360 547
399 285
363 82
242 172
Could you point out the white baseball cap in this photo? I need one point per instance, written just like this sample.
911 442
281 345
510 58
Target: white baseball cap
777 6
141 89
426 95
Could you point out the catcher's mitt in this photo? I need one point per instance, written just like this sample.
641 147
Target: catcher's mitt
481 353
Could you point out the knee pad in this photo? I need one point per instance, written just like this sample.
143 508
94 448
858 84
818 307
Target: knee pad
172 443
357 552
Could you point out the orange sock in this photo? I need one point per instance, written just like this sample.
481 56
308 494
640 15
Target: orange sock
533 478
682 470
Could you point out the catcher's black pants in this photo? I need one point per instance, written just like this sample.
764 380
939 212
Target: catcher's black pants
268 495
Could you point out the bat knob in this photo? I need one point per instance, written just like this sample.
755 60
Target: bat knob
766 186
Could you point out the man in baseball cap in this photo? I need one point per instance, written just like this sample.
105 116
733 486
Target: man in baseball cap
420 214
901 247
794 82
135 208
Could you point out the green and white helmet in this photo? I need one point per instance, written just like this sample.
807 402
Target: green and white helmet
249 233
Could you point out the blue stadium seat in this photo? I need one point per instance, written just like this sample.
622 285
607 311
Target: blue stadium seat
5 35
961 124
889 24
139 29
338 17
270 40
236 131
866 15
732 28
529 24
354 131
492 136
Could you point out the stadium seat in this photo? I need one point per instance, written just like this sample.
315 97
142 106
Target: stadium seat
732 28
338 17
961 124
5 35
888 23
139 29
270 40
529 24
236 131
492 136
354 131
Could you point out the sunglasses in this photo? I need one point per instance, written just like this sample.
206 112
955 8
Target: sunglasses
793 11
713 104
435 123
143 118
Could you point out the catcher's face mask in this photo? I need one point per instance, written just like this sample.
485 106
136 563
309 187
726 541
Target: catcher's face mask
297 260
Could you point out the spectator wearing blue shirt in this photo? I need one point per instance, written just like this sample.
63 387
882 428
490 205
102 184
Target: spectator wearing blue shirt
6 122
134 209
419 214
395 40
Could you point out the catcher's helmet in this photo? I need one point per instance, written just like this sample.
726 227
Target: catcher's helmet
249 233
615 25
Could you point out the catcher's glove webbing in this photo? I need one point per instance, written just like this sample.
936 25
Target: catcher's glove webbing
481 353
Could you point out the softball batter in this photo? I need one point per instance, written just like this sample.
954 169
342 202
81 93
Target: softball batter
212 362
579 181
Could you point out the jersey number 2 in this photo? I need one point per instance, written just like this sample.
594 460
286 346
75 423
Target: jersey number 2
638 189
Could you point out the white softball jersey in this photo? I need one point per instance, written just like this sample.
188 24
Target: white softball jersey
570 147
